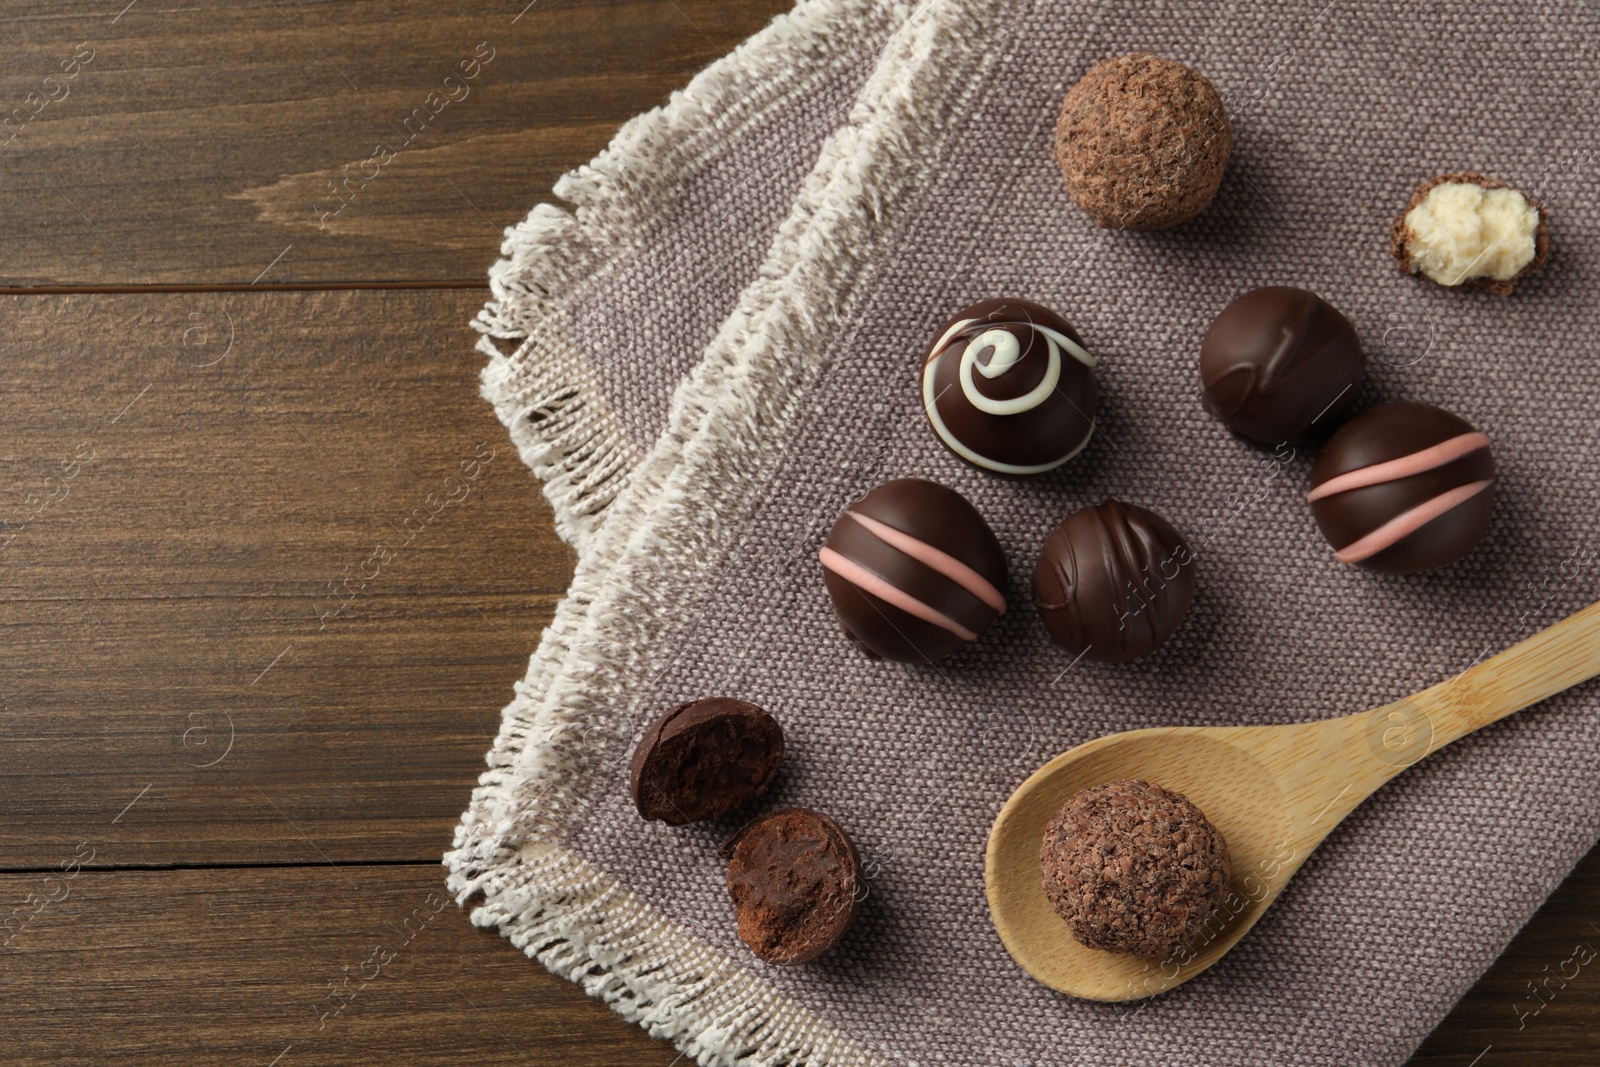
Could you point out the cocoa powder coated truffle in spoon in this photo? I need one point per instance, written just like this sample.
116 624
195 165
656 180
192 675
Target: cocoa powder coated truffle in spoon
794 878
1134 868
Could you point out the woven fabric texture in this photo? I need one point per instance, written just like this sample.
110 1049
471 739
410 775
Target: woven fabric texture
939 190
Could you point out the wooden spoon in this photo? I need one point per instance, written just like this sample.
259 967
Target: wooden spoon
1274 791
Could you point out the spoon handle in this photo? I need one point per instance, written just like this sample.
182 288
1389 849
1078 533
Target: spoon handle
1549 662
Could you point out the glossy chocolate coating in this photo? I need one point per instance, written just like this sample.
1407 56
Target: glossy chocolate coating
1113 582
1433 458
795 880
1280 365
1045 388
703 759
914 571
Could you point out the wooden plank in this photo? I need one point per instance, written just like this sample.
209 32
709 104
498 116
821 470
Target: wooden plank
319 545
179 144
1539 1005
241 965
287 967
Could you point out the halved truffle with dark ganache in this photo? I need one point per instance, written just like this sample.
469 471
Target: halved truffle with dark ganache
795 880
703 759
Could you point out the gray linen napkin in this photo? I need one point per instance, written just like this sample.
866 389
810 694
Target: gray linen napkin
940 190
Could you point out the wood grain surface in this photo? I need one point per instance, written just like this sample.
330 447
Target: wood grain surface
269 567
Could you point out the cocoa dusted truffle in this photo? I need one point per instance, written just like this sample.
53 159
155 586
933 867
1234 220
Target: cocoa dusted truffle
795 880
1403 487
1134 868
1009 387
1279 365
703 759
1113 582
914 571
1466 229
1142 142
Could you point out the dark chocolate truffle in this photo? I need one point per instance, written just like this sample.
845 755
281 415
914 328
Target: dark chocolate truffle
1142 142
1403 487
703 759
1466 229
1113 582
1280 365
795 880
914 571
1134 868
1009 387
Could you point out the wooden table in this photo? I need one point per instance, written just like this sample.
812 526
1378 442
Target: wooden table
231 398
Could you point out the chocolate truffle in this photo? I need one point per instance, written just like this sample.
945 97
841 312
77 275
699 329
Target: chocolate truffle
1279 365
914 571
1113 582
795 880
1403 487
703 759
1009 387
1466 229
1142 142
1134 868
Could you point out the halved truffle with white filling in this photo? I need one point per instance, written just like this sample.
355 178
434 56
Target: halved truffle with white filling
1466 229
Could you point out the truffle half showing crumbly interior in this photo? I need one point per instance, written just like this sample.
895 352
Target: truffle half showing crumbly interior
1134 868
703 759
795 880
1465 228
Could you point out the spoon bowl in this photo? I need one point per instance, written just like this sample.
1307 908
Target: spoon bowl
1273 791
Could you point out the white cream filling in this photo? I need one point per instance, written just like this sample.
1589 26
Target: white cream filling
1462 231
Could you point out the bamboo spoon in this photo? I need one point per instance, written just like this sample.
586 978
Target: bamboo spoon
1274 791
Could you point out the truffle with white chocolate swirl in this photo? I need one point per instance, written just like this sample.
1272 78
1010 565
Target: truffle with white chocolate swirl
1009 387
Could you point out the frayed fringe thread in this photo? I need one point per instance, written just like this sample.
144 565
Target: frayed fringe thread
540 384
509 853
564 431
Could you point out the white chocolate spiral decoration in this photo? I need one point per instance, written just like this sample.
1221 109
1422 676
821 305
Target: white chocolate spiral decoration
1005 353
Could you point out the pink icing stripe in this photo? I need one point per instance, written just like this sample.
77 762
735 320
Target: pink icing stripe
1407 523
941 561
864 579
1404 467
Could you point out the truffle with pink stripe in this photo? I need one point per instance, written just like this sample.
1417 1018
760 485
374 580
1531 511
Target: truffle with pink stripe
914 571
1403 487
